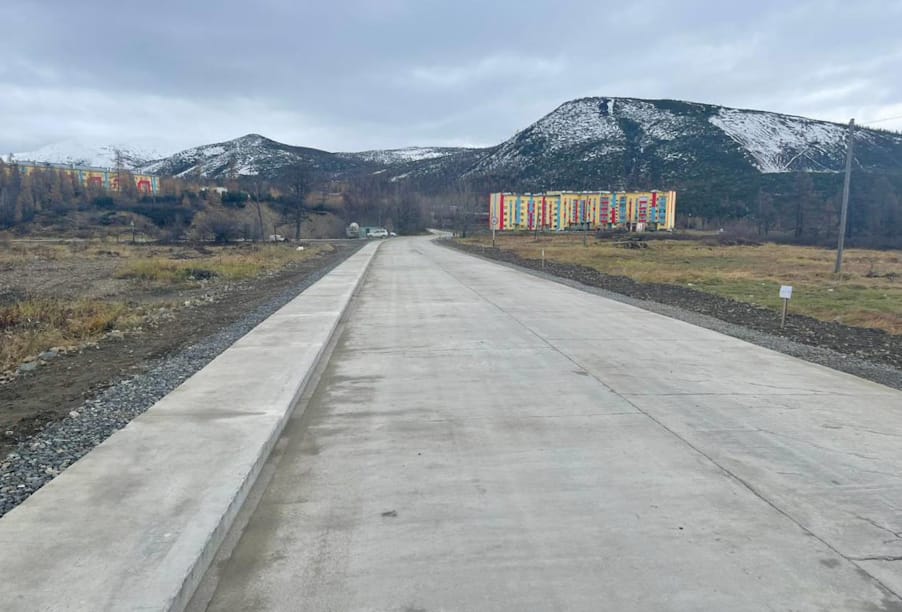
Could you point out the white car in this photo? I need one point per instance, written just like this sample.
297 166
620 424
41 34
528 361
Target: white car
378 233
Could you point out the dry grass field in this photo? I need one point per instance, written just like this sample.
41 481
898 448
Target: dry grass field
867 294
68 293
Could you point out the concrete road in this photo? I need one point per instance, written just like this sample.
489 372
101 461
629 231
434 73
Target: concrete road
487 440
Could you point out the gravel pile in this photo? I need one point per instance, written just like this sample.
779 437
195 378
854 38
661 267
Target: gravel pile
40 458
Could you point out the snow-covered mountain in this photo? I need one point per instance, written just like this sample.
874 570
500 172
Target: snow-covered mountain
71 152
249 155
616 141
646 131
584 143
253 155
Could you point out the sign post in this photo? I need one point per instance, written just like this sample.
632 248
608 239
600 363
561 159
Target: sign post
494 223
785 295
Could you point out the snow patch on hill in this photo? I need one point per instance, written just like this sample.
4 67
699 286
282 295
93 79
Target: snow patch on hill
776 142
575 123
655 122
391 157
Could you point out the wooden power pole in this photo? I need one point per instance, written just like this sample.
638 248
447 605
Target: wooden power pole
845 198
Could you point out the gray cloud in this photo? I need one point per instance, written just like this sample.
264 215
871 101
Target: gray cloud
357 74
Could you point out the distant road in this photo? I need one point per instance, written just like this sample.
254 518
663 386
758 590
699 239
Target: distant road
484 439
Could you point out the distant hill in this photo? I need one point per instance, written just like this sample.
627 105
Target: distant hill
622 142
74 153
251 155
709 152
255 155
594 142
774 171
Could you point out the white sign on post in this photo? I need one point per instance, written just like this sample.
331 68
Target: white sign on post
786 292
494 221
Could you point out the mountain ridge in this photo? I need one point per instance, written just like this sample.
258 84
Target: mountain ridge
585 142
74 153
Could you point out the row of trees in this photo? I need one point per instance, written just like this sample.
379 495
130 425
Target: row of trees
376 200
799 207
25 196
805 208
252 207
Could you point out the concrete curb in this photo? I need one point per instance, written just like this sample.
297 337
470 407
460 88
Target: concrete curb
135 524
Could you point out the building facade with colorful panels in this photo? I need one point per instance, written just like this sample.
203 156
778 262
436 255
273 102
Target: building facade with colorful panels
103 178
563 210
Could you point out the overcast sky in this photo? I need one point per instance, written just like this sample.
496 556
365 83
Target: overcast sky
359 74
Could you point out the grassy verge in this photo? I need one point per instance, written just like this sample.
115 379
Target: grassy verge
34 325
71 293
222 263
867 294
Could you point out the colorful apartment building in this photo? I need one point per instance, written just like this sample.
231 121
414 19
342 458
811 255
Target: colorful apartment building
103 178
570 210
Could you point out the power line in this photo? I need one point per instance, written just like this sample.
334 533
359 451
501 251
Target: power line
880 120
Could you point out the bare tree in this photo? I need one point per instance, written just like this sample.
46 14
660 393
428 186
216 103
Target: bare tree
298 180
406 211
218 225
465 206
804 193
766 212
120 166
259 206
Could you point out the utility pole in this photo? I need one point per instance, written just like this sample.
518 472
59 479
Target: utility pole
845 198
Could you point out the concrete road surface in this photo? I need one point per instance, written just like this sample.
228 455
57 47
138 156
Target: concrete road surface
487 440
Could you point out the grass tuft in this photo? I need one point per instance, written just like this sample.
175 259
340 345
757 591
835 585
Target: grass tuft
229 264
33 325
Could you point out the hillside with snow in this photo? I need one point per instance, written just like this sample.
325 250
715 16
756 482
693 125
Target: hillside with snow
619 142
586 143
781 143
392 157
250 155
256 155
75 153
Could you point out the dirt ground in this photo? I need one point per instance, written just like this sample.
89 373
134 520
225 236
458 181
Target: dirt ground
873 345
31 400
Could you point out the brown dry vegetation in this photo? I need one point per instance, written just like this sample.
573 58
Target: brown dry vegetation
65 294
867 294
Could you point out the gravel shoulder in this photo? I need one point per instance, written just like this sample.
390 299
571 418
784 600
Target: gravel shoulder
50 418
868 353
